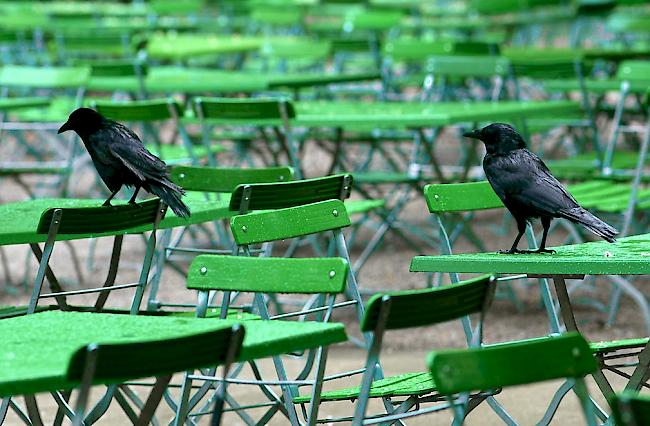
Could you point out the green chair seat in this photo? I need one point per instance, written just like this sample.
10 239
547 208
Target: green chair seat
617 345
37 348
363 206
401 385
586 164
129 84
178 153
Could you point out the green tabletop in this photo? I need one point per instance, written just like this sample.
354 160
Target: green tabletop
628 256
36 349
18 221
412 114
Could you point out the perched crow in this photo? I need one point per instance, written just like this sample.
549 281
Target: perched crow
527 188
121 159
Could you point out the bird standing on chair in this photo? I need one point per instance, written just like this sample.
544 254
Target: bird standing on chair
121 159
527 188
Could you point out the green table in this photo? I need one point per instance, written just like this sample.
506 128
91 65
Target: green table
37 348
628 256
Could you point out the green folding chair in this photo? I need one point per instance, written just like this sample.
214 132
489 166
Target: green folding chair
212 184
325 277
270 118
630 409
458 373
404 395
92 222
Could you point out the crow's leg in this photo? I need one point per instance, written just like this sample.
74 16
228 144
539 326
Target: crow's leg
546 223
521 228
108 201
135 194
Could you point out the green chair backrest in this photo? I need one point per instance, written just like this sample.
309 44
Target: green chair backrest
545 63
99 220
268 274
497 7
468 66
266 196
296 49
220 179
44 77
410 50
120 362
114 68
630 409
146 110
461 197
243 110
511 364
292 222
415 308
634 70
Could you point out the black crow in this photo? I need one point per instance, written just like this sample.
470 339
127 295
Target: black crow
527 188
121 159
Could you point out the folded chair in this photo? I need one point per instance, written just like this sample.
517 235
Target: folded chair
405 394
458 373
325 277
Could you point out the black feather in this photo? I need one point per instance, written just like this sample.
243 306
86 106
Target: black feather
121 159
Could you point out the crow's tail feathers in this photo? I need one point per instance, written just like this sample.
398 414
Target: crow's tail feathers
591 222
171 195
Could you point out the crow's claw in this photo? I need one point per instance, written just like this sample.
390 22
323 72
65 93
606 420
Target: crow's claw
107 204
134 203
511 251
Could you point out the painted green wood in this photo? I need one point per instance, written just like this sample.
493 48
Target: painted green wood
415 114
259 227
616 345
634 70
19 221
243 109
266 196
464 370
119 362
221 179
98 220
43 77
363 206
468 66
631 409
147 110
267 274
11 104
170 80
299 80
177 47
37 349
415 49
401 385
178 153
627 256
461 197
416 308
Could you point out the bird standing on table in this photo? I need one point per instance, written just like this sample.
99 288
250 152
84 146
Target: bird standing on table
527 188
121 159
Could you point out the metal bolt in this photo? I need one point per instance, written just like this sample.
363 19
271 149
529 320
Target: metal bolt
281 178
244 229
436 196
203 270
182 175
332 274
575 352
335 213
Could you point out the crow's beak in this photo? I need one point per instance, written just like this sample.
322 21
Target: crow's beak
65 127
474 134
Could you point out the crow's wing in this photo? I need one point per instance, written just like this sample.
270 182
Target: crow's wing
141 162
522 179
